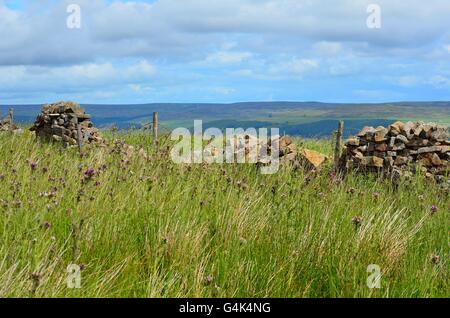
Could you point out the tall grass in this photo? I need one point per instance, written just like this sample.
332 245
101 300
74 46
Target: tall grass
151 228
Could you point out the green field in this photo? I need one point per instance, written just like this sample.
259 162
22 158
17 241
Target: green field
306 119
151 228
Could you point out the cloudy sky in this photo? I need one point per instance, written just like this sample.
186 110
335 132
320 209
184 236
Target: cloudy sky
224 51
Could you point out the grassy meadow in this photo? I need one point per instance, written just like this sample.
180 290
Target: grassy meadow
152 228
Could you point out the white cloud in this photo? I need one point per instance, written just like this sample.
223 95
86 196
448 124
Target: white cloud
296 67
182 29
328 48
340 68
407 81
141 69
439 81
228 57
88 71
140 88
76 76
135 45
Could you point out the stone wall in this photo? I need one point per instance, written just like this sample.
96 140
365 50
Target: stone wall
289 152
6 125
401 147
59 122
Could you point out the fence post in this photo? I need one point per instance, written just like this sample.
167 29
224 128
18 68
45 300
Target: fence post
11 119
155 130
337 149
79 138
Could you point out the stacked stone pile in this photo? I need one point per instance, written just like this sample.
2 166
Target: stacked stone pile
288 151
247 145
59 122
400 147
307 158
6 125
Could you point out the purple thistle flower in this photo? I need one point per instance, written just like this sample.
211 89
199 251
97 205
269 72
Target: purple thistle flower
33 166
434 209
89 172
46 225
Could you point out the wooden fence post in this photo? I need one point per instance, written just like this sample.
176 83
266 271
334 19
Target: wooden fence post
11 119
337 149
79 139
155 130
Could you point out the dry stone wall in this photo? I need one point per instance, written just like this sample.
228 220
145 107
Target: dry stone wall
59 122
400 147
246 146
289 152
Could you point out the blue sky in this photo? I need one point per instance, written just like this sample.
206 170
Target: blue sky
224 51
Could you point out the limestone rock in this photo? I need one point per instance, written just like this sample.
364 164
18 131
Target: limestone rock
382 147
365 131
373 161
400 161
401 138
285 141
352 142
396 128
380 134
312 157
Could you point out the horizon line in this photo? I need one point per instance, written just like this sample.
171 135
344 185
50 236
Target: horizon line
236 103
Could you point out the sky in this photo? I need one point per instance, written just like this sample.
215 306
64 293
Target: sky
217 51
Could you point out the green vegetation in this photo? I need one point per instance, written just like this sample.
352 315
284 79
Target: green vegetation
152 228
307 119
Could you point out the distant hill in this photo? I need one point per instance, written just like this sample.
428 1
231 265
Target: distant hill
308 119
